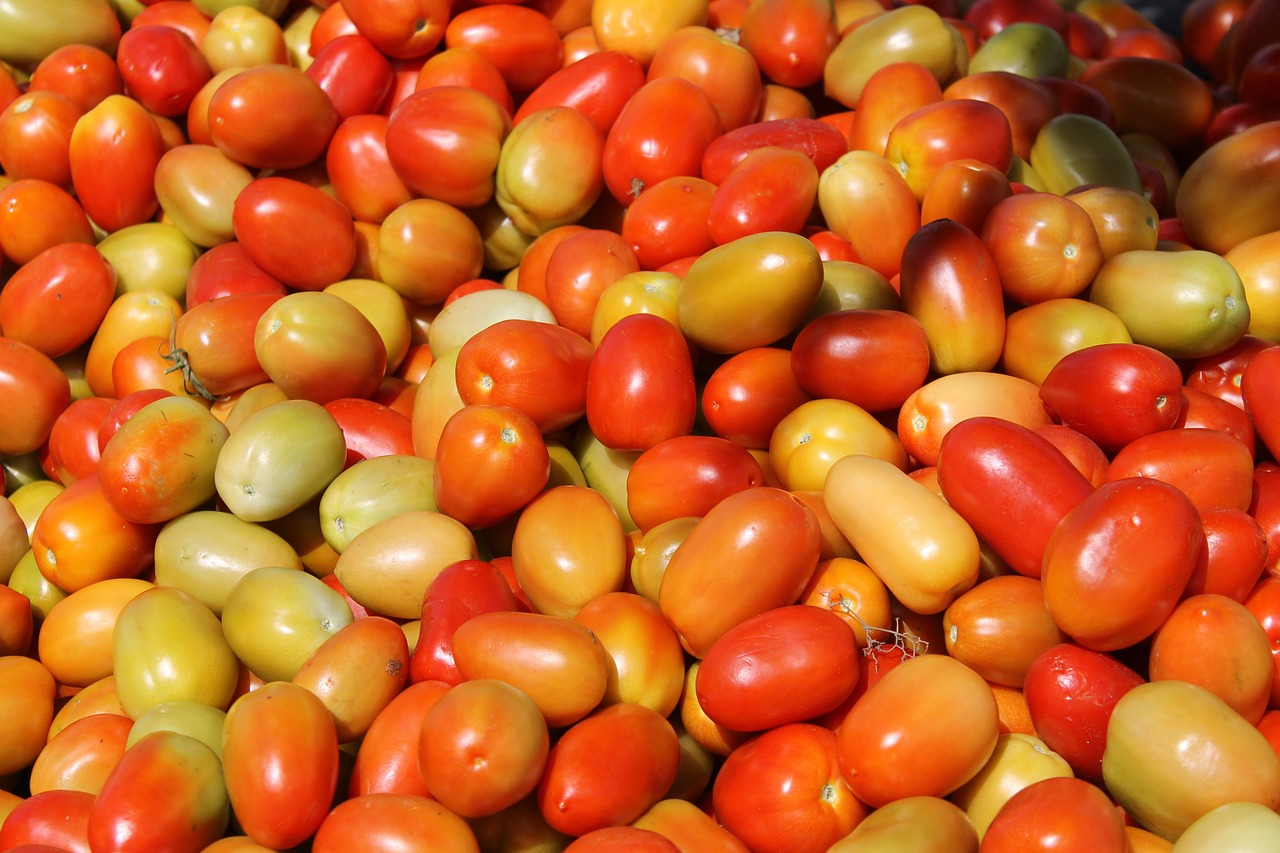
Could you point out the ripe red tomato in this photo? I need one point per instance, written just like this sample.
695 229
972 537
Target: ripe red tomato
56 819
490 461
36 215
35 136
30 376
836 355
82 72
749 394
668 221
461 590
295 232
355 75
687 475
1059 813
790 41
771 189
162 68
400 28
520 41
114 151
598 86
271 117
57 300
721 67
822 143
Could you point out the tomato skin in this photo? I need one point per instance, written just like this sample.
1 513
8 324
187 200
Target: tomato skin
783 791
461 590
1011 485
387 759
819 141
393 821
857 184
31 376
115 148
640 384
35 215
746 397
354 74
295 232
937 133
608 769
782 666
280 760
82 72
166 786
56 819
161 68
1054 814
271 117
752 552
1263 601
490 461
1213 468
520 41
771 189
687 475
598 86
1137 387
790 41
662 132
403 29
371 429
35 136
1258 380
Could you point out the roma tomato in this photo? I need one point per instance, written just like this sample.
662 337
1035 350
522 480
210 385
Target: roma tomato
721 67
227 269
1235 554
598 86
1059 813
640 384
819 141
393 820
216 342
747 395
35 136
360 169
608 769
771 189
461 590
782 666
686 476
82 72
647 664
548 172
865 200
280 762
783 791
28 375
115 148
1212 467
1152 536
1044 246
162 68
36 215
1000 627
789 41
490 461
50 820
387 758
403 29
353 73
930 136
520 41
271 117
295 232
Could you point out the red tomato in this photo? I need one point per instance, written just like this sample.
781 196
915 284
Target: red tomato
392 821
608 769
166 791
1151 535
1059 813
926 138
72 451
29 376
490 461
782 792
354 74
271 117
82 72
520 41
628 838
662 132
463 66
1221 375
280 760
598 86
785 665
400 28
771 189
360 169
1011 485
36 215
461 590
1258 382
161 68
295 232
1201 410
726 71
686 476
669 221
114 151
890 94
444 143
790 41
837 355
640 385
371 428
57 819
1114 393
56 301
748 395
820 142
991 16
1264 603
1213 468
35 136
227 269
538 368
387 760
966 191
216 340
1235 554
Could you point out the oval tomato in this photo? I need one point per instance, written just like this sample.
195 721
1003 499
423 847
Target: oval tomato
271 117
490 461
686 476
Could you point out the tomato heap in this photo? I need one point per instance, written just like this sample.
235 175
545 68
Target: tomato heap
657 425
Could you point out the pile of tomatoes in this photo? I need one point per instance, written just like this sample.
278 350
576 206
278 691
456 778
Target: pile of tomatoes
647 425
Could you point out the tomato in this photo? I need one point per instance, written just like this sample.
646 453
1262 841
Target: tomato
271 117
630 837
1231 169
426 248
632 747
240 37
1044 247
56 817
548 172
929 136
35 136
912 34
598 86
317 346
115 148
819 141
771 189
811 438
774 539
1175 105
280 762
1235 554
865 200
520 41
646 660
686 476
490 461
224 270
460 591
161 68
662 132
688 827
1057 813
82 72
82 755
355 75
1218 472
638 29
400 28
36 215
782 790
389 820
912 823
288 252
640 389
722 68
1138 381
748 394
387 757
216 340
790 42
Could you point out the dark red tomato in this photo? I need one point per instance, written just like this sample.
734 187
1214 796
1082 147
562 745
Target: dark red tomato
295 232
1264 602
216 342
72 451
1204 24
461 590
1234 118
608 769
123 409
1260 78
749 394
280 760
1085 37
838 355
1234 555
371 429
353 73
771 189
1114 393
35 215
821 142
1151 535
1221 374
167 786
225 270
57 818
271 117
1075 97
490 461
161 68
520 41
1213 468
662 132
1060 814
35 137
640 386
115 148
82 72
538 368
782 792
686 476
1259 384
56 301
39 392
1157 97
598 86
1201 410
785 665
1070 693
668 221
1012 486
991 16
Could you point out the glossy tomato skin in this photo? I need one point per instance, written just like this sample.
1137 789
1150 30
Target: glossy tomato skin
1212 467
1058 813
461 590
1114 393
686 476
354 74
57 819
640 384
783 666
1011 485
520 41
598 86
371 428
819 141
668 222
833 354
115 148
166 786
295 232
1070 693
783 791
217 338
161 68
387 759
35 136
750 393
272 117
608 769
31 376
490 461
403 29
